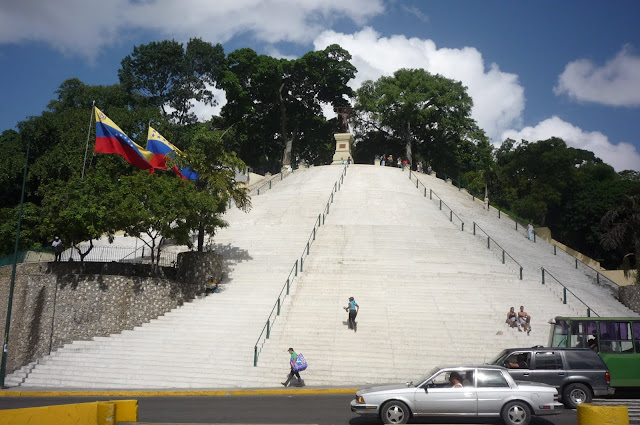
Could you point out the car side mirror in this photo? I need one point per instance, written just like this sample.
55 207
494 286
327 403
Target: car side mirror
426 390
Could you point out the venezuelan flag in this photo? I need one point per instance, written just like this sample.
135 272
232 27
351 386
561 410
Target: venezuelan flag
111 139
161 147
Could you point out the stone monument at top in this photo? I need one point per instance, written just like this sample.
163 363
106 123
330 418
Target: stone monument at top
344 139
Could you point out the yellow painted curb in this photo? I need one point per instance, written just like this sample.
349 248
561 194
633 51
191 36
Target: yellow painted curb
590 414
182 393
95 413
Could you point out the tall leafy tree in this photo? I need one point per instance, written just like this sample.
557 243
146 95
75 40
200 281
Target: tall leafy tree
277 103
417 110
82 210
216 187
621 231
171 77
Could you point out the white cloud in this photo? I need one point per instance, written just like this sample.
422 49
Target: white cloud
617 83
498 97
85 26
621 156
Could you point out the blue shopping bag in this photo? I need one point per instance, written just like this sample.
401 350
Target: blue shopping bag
299 364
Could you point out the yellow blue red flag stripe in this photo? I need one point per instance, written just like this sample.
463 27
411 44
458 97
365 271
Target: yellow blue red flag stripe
161 147
111 139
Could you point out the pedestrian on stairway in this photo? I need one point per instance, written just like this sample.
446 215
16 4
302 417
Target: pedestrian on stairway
352 309
524 320
530 231
292 361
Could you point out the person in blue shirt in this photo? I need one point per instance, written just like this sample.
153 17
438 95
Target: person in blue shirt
353 309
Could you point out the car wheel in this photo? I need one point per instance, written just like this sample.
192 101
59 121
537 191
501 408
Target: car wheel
516 413
395 412
575 394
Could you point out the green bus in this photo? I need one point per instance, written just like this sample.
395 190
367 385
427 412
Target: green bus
617 340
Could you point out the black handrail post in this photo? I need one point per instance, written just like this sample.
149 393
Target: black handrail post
576 263
280 175
440 204
319 220
417 181
430 191
498 213
598 278
474 228
542 275
269 184
258 191
503 256
488 242
588 312
314 233
425 192
278 306
534 237
308 247
288 284
410 174
520 272
323 216
296 268
302 264
516 226
268 328
462 228
451 216
555 252
564 291
255 355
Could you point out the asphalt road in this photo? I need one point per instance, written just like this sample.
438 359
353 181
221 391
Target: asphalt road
270 409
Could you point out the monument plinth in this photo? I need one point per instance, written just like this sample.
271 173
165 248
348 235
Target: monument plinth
343 148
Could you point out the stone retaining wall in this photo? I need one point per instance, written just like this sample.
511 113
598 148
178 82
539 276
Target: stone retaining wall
57 303
630 296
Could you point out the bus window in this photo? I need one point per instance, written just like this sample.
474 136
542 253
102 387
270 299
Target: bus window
636 335
559 336
615 337
581 332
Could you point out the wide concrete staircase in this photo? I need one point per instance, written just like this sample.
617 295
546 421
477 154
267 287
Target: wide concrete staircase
208 342
600 296
428 294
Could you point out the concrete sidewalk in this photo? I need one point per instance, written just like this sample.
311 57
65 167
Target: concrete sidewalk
48 392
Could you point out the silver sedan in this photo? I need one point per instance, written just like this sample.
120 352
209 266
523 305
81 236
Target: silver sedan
471 391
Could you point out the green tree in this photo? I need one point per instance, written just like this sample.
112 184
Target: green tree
154 207
420 111
216 185
277 103
81 210
621 231
171 77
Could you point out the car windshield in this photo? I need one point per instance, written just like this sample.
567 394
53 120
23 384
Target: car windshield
425 377
496 359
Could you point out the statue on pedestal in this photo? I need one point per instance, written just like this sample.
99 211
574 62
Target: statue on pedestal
343 117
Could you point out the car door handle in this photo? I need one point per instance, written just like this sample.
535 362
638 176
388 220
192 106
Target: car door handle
561 373
525 374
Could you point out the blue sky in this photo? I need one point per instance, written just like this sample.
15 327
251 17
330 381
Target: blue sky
534 69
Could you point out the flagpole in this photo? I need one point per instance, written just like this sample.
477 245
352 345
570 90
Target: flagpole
7 326
86 149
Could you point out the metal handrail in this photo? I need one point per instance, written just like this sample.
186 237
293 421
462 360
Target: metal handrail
441 202
294 269
504 253
599 278
270 182
565 291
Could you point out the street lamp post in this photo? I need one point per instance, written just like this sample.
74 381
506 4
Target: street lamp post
5 346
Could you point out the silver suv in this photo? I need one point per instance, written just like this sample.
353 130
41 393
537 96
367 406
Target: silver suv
577 373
